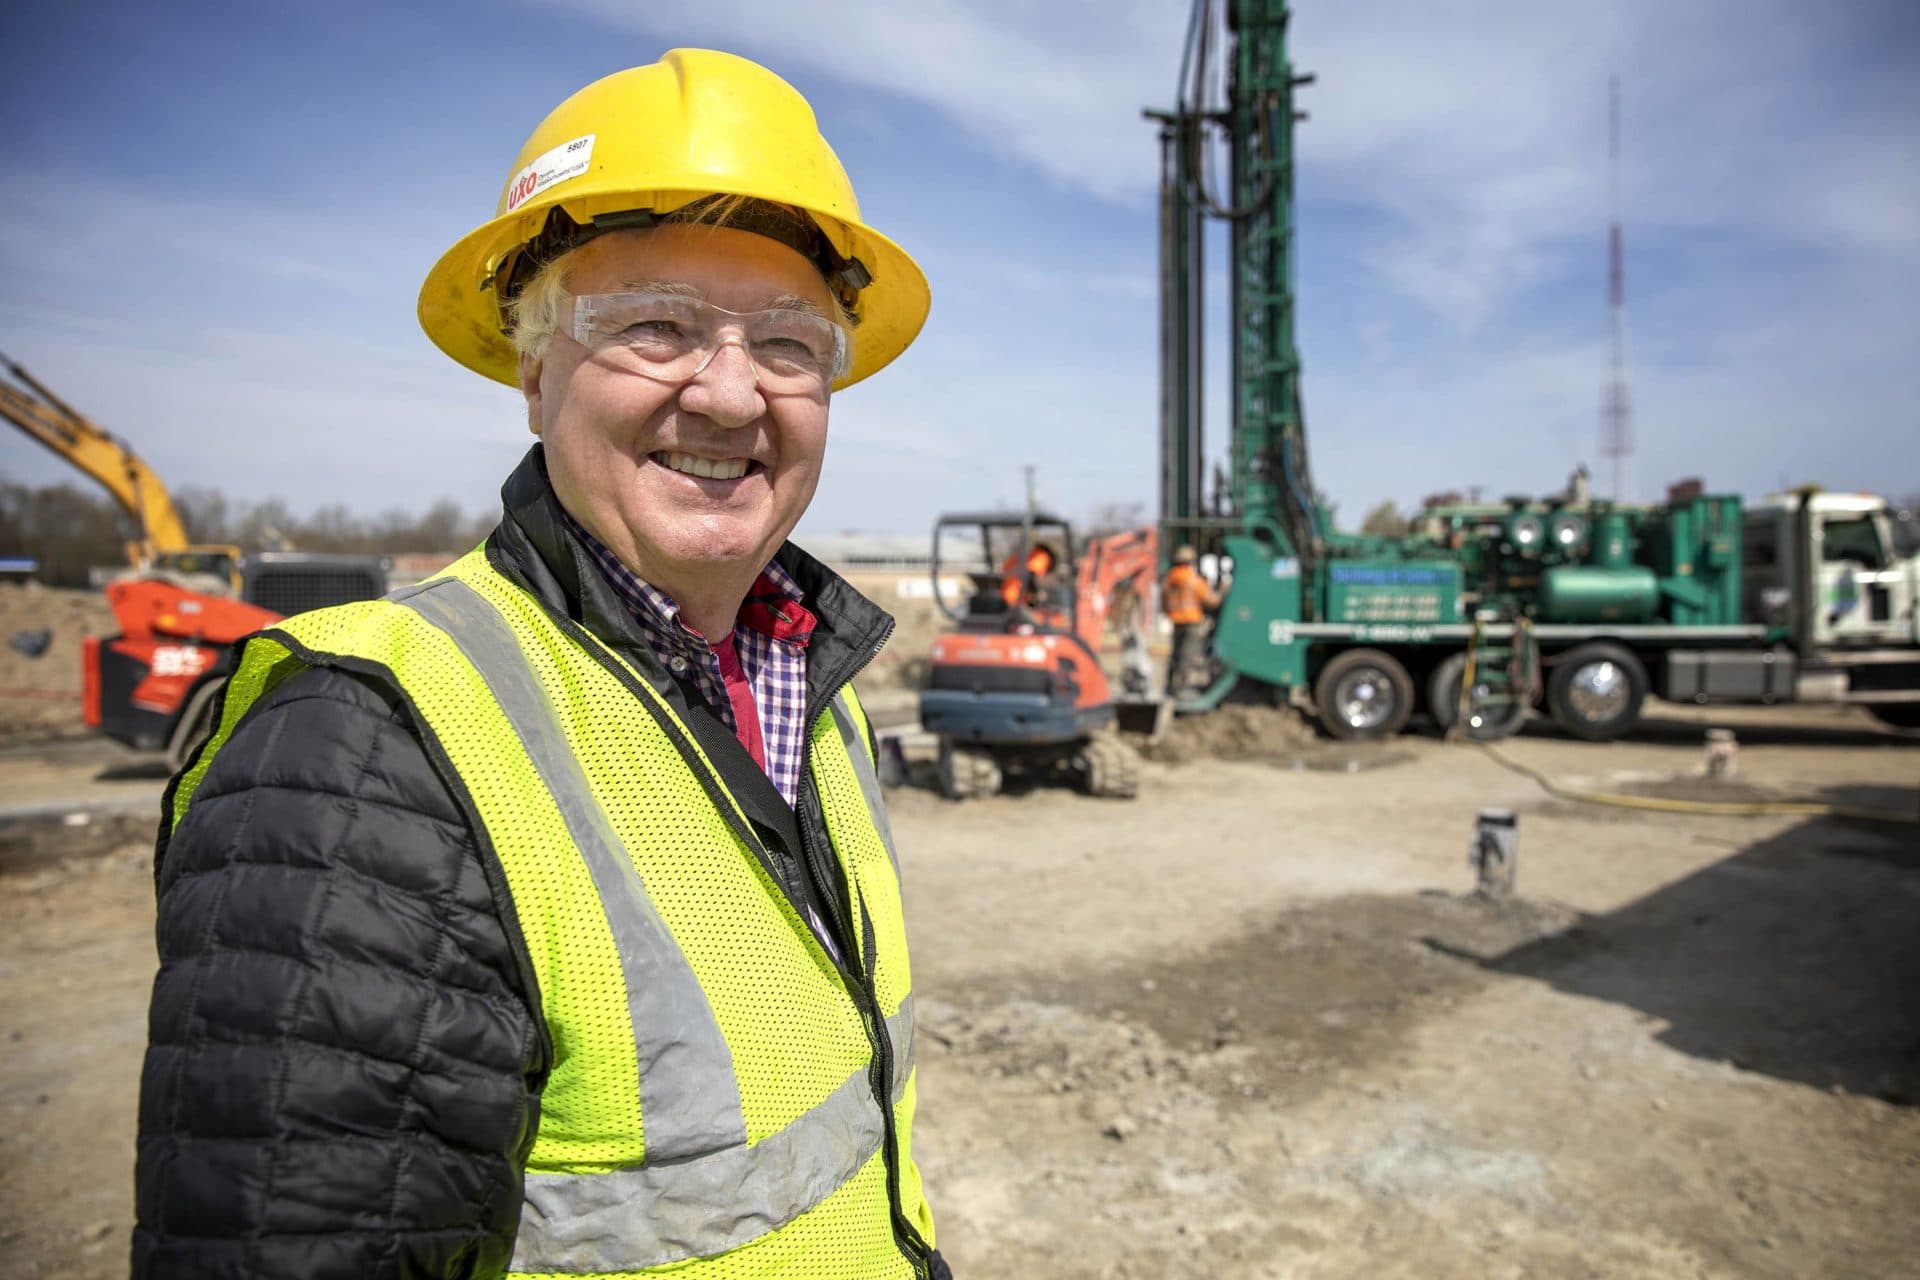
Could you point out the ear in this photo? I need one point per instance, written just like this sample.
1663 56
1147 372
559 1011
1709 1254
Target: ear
530 370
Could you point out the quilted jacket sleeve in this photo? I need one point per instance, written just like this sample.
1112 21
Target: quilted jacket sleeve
343 1069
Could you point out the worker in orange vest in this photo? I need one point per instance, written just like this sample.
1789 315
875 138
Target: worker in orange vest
1017 587
1187 598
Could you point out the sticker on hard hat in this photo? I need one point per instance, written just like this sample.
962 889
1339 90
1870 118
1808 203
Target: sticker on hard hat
568 160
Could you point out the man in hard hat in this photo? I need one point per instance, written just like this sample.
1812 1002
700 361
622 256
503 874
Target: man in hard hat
1187 598
543 918
1028 580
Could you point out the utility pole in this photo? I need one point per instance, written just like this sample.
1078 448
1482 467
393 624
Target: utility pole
1026 531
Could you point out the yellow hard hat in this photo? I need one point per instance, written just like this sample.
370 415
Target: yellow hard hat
645 142
1185 555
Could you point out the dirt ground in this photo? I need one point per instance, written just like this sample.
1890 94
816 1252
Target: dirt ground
1254 1023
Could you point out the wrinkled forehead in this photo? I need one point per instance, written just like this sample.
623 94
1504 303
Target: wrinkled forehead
729 268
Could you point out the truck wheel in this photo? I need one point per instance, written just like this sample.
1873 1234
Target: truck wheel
1901 715
966 772
1364 693
1596 692
1443 702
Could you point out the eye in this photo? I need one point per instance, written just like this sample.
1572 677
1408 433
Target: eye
652 329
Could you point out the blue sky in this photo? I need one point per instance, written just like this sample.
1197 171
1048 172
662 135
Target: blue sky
220 214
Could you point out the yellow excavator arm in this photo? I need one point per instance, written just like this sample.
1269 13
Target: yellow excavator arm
98 452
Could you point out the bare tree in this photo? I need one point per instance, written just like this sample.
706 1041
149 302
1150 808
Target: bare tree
70 531
65 528
1385 521
1115 517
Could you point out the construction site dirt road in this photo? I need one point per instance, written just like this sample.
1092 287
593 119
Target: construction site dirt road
1254 1023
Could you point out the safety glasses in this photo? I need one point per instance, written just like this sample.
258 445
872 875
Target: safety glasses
670 337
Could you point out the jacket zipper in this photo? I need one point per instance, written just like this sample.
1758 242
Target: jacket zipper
880 1079
862 989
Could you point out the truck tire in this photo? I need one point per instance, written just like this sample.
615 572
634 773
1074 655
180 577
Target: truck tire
1443 703
1363 693
1597 691
1900 715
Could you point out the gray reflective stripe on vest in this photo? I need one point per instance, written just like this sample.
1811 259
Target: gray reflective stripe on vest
900 1036
631 1219
863 770
689 1095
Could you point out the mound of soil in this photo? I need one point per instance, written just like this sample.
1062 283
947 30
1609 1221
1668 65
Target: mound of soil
40 696
1236 731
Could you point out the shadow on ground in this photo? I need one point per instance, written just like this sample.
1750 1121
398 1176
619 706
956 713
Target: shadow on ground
136 769
1798 957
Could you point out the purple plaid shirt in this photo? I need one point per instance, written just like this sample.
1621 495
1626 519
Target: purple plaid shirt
769 639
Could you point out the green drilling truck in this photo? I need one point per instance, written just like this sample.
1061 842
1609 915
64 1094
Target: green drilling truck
1587 606
1484 610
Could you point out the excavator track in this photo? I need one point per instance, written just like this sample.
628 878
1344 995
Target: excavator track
1108 768
967 772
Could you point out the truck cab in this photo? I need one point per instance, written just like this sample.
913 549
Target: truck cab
1826 566
1832 576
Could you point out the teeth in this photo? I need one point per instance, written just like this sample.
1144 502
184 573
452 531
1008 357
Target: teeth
705 468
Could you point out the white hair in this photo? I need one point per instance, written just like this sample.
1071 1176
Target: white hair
535 310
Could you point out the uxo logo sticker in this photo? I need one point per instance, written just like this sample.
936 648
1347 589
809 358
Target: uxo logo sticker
568 160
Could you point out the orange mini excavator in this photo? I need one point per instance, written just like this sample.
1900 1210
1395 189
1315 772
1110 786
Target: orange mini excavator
1017 689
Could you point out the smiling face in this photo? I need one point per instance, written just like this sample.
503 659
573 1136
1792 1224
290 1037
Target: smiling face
693 485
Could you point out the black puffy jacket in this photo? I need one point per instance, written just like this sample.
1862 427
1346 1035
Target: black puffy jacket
344 1071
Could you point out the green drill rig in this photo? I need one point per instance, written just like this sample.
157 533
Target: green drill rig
1484 608
1236 96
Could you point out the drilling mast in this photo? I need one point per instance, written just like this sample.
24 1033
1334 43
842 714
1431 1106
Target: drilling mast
1235 93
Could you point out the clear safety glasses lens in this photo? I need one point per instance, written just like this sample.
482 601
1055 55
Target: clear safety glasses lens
670 338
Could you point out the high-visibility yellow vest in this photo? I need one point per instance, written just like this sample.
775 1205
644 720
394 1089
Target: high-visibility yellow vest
725 1099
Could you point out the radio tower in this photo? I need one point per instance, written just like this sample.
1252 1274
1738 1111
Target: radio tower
1616 408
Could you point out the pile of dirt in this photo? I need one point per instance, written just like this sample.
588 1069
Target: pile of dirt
40 695
1062 1047
1236 731
903 663
1117 1077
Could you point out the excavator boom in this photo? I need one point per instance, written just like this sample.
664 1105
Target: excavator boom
96 451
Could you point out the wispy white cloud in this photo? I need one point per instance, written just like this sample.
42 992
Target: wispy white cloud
1059 86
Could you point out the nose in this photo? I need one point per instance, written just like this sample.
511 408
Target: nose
725 389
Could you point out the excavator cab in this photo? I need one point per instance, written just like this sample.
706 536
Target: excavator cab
1018 571
1017 690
